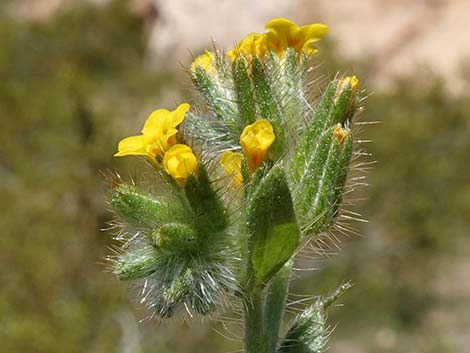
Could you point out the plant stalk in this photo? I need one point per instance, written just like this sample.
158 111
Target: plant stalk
264 311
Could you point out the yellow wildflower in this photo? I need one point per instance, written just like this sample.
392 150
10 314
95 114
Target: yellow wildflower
231 163
255 141
283 34
254 44
341 133
180 162
349 81
160 132
204 61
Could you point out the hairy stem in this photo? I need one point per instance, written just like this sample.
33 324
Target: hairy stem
275 304
255 336
264 311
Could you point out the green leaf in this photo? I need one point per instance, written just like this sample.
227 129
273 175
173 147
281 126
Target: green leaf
273 230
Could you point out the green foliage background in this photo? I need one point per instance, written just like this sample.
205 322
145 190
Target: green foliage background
72 87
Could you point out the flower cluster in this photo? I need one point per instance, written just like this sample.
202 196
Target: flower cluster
159 142
280 35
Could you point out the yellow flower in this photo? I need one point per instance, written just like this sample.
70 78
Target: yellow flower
341 133
180 162
204 61
349 81
283 34
254 44
255 141
231 163
160 132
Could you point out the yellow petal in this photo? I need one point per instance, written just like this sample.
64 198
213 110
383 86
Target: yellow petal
310 34
256 140
133 145
204 61
313 32
281 26
349 81
180 162
281 33
168 140
231 163
178 115
157 122
254 44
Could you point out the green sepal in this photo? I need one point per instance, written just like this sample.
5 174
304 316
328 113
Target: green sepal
186 288
320 189
271 225
337 105
345 104
343 170
244 92
320 121
175 238
309 333
210 214
309 182
135 264
137 207
218 98
264 94
268 105
291 88
325 203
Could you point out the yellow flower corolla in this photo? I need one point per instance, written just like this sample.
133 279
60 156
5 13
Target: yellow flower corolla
180 162
341 133
255 141
205 61
160 132
254 44
231 163
283 33
349 81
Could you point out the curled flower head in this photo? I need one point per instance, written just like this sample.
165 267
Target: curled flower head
253 45
160 132
205 61
282 34
180 162
255 141
231 163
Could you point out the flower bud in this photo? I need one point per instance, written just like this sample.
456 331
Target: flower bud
255 141
180 162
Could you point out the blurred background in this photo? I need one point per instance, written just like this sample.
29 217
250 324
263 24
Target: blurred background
76 76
